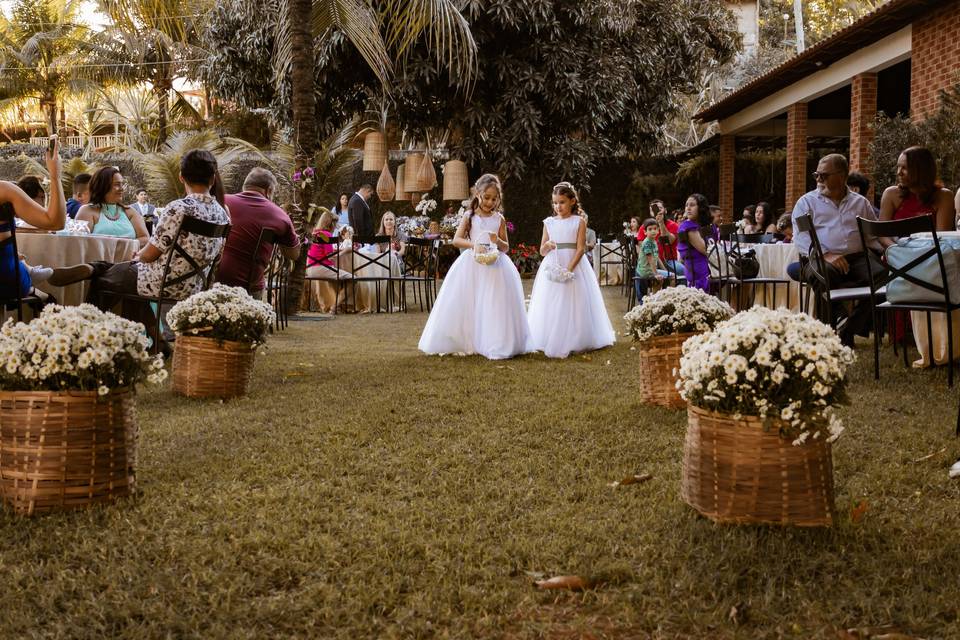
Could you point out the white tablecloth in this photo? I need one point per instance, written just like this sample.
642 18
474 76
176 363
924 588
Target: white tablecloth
773 259
52 250
362 296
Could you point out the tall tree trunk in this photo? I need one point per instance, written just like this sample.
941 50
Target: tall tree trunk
304 105
51 105
162 91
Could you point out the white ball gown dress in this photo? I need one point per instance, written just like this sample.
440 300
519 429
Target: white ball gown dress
567 317
479 309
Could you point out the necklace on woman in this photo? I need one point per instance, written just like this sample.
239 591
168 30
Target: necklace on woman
106 213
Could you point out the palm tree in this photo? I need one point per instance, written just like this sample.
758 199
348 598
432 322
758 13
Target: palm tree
158 39
39 51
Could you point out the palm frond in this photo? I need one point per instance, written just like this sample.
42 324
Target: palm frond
361 25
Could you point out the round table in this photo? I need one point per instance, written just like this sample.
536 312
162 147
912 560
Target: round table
63 250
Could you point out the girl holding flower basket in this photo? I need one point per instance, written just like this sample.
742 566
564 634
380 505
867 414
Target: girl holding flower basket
480 306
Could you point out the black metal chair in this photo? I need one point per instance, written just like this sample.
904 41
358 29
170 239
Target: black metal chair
278 276
724 280
758 281
826 296
905 228
203 274
328 267
22 298
610 255
420 265
378 258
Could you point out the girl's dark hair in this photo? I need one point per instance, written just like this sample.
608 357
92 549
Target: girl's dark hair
767 214
336 207
198 166
750 213
568 190
217 189
100 185
922 169
703 209
31 186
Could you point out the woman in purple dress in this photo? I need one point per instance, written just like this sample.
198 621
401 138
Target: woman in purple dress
692 244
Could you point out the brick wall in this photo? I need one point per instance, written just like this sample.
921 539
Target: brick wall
796 153
728 158
936 57
863 112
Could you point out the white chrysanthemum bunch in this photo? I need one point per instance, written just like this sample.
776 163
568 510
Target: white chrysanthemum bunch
223 313
414 225
76 348
772 364
451 222
676 310
425 206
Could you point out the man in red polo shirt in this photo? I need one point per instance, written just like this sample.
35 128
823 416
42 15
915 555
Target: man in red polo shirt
667 242
252 211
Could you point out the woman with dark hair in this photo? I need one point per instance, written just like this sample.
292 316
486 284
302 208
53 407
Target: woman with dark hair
917 192
692 245
105 214
749 221
33 187
764 222
340 210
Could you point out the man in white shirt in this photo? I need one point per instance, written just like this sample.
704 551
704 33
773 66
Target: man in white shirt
834 209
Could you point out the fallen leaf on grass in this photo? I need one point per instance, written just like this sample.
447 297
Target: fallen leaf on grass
873 633
930 455
587 358
634 479
607 363
572 583
738 613
858 511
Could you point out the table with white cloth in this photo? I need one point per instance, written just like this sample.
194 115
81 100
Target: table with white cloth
62 250
938 324
610 268
361 296
774 259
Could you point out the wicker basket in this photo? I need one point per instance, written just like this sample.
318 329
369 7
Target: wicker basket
735 472
64 450
659 356
205 367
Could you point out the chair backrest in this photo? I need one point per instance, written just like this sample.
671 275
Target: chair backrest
748 238
378 257
204 273
257 266
418 257
870 229
330 262
815 252
18 265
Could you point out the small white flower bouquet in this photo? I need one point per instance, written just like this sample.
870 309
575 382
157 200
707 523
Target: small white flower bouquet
222 313
413 226
426 206
771 364
676 310
77 349
559 273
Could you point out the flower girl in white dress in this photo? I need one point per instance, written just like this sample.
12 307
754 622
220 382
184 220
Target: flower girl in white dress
479 309
567 313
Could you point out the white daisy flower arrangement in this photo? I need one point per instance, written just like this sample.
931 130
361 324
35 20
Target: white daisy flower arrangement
676 310
76 349
222 313
774 364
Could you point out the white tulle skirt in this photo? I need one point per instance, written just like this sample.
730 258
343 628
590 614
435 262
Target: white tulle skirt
479 310
567 317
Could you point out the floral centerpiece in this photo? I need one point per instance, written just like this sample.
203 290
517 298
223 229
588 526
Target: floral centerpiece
770 376
218 331
426 206
661 324
450 223
413 226
526 257
67 407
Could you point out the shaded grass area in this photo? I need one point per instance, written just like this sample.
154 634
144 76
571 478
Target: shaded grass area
365 490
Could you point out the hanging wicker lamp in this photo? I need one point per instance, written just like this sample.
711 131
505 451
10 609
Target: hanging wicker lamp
374 151
456 184
401 193
414 160
386 187
427 175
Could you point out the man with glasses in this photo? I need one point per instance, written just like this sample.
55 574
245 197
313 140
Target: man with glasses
834 210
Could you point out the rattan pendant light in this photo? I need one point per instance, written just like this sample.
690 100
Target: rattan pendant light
414 160
401 192
374 151
456 184
386 187
426 175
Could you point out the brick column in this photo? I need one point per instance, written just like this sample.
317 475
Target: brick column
796 153
728 157
863 112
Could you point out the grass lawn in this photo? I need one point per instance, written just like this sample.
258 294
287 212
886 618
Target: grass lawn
365 490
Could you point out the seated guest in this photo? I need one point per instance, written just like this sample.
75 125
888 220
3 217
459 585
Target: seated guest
764 221
859 183
666 239
785 229
321 265
144 208
917 192
144 274
81 194
433 230
693 245
834 209
251 211
33 187
105 215
716 219
747 220
388 227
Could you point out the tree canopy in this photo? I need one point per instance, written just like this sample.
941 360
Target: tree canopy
559 85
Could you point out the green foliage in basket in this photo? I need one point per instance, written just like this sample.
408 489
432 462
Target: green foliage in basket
772 364
222 313
76 348
676 310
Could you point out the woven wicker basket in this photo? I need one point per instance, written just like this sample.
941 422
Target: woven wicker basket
205 367
63 450
658 358
735 472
